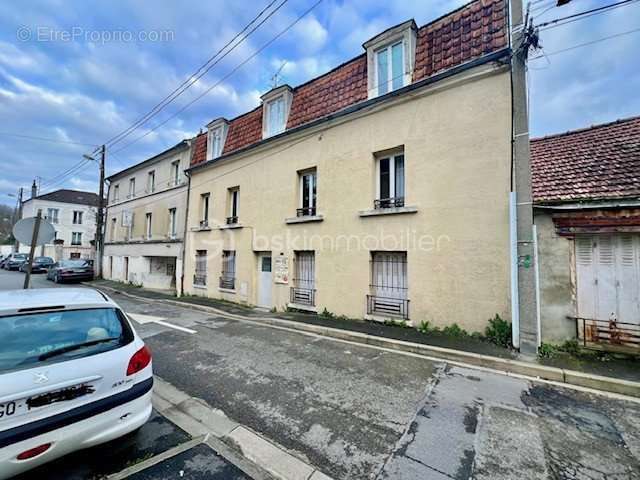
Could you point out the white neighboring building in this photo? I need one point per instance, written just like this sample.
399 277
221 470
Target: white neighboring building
73 215
145 220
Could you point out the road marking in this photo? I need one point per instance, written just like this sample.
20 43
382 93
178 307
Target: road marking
142 319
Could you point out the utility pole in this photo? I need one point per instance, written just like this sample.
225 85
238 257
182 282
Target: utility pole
100 219
521 184
18 217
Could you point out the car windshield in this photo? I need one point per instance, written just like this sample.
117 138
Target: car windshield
44 260
28 340
20 256
73 263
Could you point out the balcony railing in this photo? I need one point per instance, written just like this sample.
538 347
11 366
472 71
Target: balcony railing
388 306
306 212
228 283
232 220
388 202
608 335
199 279
303 296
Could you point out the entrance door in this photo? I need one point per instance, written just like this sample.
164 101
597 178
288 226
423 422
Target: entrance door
126 269
608 277
265 281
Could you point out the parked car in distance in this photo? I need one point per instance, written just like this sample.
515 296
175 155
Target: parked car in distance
15 260
40 264
73 374
66 270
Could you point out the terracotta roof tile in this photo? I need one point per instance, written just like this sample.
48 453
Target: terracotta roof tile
473 30
599 162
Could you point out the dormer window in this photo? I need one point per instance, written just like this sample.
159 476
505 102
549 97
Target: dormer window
276 104
390 68
215 138
390 59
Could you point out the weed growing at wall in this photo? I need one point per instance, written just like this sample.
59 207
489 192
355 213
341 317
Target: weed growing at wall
498 331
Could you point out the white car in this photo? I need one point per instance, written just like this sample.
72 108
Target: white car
73 374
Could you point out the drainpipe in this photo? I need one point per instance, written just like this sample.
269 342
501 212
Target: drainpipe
537 272
513 251
180 291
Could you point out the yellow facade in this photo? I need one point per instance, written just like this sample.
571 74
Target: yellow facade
455 227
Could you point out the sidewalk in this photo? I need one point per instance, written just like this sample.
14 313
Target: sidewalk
609 373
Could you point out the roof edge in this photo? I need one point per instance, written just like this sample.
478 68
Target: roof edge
181 144
619 121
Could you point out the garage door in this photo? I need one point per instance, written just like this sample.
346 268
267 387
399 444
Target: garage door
608 277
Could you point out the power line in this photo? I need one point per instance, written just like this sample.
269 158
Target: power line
586 44
42 139
581 15
192 79
235 69
60 175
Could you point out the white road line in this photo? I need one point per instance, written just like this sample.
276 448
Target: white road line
142 319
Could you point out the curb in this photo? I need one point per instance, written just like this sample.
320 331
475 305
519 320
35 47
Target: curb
517 367
257 456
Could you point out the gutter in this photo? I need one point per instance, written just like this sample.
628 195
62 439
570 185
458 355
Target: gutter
492 57
589 204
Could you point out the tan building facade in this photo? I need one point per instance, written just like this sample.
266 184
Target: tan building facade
145 221
396 209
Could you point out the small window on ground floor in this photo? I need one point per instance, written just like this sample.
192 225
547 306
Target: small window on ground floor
228 277
389 285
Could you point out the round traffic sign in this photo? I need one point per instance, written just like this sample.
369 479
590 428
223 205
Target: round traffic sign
23 231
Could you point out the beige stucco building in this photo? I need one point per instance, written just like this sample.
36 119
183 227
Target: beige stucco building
366 195
145 221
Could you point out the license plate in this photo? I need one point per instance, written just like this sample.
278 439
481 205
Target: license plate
79 270
13 409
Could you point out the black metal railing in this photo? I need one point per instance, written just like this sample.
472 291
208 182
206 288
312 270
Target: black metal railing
232 220
306 212
303 296
199 279
228 283
608 334
388 306
388 202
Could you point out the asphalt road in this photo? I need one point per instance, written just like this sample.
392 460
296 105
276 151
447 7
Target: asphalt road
356 412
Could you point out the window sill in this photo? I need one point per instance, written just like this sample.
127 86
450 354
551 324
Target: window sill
231 226
200 229
201 287
387 211
226 290
305 219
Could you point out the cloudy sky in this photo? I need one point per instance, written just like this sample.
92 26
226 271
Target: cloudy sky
82 71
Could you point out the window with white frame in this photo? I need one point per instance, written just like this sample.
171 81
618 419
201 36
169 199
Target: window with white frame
151 181
132 187
116 193
52 215
77 217
204 209
215 143
228 277
390 72
275 116
173 223
200 275
308 183
234 203
175 172
389 285
148 225
114 224
390 181
76 238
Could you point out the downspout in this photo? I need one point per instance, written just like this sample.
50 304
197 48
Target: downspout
184 235
537 272
513 250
